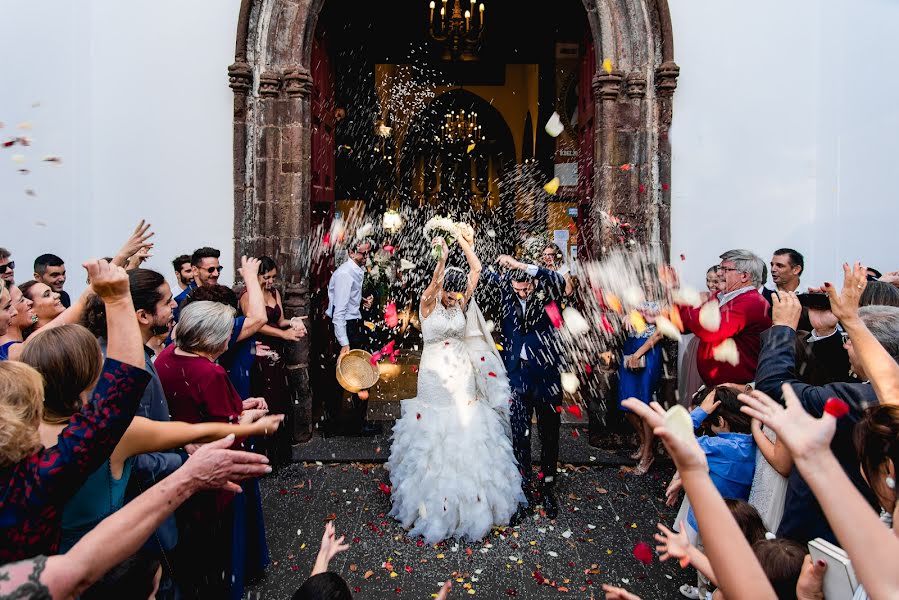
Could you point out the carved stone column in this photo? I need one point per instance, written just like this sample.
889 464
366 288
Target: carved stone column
666 83
606 91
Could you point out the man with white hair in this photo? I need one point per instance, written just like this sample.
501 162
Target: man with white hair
735 335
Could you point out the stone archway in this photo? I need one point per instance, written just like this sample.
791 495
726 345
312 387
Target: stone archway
271 82
272 86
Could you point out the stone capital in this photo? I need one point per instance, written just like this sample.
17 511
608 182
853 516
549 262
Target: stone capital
297 82
666 78
636 85
607 85
269 84
240 77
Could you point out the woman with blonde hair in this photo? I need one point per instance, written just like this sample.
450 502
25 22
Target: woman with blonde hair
36 482
23 318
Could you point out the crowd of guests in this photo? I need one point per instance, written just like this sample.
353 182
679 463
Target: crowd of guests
109 407
136 419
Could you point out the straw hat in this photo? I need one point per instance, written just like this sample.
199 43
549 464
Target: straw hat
355 371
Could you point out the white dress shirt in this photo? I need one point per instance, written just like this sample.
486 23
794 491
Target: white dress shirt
345 298
532 271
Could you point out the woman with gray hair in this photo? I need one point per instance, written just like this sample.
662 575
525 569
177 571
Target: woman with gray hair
198 390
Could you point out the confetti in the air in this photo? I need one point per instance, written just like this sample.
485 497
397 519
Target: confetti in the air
554 126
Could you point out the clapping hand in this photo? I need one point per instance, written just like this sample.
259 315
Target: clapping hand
803 435
251 403
844 304
107 280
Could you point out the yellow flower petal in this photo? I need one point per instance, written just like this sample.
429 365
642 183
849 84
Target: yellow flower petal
607 65
553 186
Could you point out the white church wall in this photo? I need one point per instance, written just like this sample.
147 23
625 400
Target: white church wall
784 128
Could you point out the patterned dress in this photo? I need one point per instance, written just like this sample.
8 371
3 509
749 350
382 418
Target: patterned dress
34 490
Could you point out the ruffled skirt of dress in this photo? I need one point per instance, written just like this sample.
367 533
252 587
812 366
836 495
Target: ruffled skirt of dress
452 470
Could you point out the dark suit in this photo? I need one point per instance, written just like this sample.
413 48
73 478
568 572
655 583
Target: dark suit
535 382
803 519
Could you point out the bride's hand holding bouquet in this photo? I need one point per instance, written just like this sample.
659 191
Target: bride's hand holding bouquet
444 228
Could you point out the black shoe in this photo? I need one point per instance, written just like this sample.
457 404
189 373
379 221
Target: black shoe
550 504
371 429
520 515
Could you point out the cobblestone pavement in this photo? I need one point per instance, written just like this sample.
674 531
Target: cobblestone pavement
605 513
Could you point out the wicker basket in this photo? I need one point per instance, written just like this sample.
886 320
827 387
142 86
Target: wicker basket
355 371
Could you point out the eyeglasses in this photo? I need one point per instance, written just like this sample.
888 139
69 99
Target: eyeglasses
10 266
212 270
729 269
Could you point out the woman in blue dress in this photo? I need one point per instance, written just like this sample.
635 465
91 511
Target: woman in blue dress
639 373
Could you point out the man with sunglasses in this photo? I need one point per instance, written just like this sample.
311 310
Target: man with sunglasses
344 309
206 270
7 266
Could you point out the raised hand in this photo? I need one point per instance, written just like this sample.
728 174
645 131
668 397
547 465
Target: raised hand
811 579
709 404
687 454
249 268
331 546
845 303
671 544
138 240
443 594
212 466
785 309
803 435
508 262
672 492
107 280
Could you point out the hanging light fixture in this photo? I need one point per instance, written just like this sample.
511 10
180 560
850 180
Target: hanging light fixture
460 127
460 32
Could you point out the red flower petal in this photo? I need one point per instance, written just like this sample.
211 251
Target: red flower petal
418 415
384 488
836 408
492 374
642 188
643 553
665 186
575 410
391 318
588 369
388 248
552 310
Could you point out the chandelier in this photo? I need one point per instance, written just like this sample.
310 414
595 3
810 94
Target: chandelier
460 33
460 127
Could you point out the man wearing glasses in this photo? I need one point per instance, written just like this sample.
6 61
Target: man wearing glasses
344 309
206 269
743 318
7 266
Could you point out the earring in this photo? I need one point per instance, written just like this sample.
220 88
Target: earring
891 483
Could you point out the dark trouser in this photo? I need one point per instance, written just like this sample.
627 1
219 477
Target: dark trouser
530 392
349 418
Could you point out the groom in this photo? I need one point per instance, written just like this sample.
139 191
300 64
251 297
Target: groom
531 353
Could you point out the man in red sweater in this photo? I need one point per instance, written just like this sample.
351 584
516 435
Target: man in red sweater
744 316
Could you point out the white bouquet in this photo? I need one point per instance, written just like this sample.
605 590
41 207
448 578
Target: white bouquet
440 227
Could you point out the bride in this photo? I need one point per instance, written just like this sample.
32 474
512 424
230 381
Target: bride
452 470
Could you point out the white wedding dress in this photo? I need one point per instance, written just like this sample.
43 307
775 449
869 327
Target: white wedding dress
452 470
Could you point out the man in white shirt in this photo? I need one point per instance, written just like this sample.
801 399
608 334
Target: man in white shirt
344 302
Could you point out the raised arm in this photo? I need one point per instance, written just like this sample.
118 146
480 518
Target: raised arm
121 534
429 296
136 242
739 574
872 547
474 267
253 302
879 366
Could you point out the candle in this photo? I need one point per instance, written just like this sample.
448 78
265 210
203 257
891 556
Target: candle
431 13
467 17
481 9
